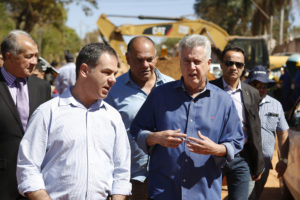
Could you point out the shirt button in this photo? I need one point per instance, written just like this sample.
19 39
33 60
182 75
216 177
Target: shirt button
186 160
191 120
184 180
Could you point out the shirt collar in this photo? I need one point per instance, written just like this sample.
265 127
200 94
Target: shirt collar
66 98
266 99
180 84
228 87
159 77
9 78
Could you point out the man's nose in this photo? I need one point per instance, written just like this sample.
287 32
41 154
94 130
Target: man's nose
34 60
112 79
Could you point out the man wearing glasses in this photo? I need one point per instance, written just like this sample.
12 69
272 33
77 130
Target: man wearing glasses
249 163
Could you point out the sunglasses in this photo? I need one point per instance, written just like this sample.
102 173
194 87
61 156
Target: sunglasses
229 63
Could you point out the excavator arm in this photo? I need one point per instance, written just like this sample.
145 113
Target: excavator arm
178 29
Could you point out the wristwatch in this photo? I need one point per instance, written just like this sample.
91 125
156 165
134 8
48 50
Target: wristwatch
285 160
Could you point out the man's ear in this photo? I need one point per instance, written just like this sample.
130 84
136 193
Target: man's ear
8 55
127 58
209 61
84 70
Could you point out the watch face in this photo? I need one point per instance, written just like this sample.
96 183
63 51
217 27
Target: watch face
285 160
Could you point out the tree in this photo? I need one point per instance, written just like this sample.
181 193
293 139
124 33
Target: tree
91 37
243 17
27 13
231 15
53 41
6 23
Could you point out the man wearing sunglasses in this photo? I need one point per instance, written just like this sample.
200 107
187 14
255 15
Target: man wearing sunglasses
249 163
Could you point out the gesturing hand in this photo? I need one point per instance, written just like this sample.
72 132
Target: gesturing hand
167 138
205 146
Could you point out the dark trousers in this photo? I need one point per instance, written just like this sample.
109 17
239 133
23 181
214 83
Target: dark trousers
238 177
139 190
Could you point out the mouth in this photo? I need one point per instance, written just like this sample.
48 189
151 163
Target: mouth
146 71
193 75
107 88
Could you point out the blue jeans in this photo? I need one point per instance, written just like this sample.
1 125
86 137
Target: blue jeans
259 186
238 177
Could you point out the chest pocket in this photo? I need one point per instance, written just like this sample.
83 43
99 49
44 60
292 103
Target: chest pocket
271 121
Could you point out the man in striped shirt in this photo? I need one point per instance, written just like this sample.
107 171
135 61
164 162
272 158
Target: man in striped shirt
76 146
272 122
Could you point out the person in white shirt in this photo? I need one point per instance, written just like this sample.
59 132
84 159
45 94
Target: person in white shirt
67 74
76 146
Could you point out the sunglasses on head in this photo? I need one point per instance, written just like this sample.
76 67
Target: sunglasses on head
229 63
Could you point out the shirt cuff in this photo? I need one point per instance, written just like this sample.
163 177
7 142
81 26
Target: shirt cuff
229 151
34 184
142 140
121 187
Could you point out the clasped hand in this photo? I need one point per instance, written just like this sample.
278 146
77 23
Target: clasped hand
173 138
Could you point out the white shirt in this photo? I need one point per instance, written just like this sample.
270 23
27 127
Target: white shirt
237 97
74 152
66 77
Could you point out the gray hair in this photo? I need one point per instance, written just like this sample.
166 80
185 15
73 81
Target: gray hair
10 43
191 41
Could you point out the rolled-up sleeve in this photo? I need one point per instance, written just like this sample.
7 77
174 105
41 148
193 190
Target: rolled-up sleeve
143 124
31 154
122 157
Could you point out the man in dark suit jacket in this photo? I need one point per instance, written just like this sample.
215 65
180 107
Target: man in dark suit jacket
20 54
248 164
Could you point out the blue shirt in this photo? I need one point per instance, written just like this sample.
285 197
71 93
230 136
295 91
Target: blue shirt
127 97
74 152
296 92
272 119
176 173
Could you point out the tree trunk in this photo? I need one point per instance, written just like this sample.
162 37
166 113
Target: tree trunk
281 25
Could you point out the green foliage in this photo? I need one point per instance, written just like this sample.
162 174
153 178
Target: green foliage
28 13
45 21
53 42
91 37
6 23
242 17
231 15
170 42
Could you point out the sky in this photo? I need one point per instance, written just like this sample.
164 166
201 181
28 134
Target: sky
167 8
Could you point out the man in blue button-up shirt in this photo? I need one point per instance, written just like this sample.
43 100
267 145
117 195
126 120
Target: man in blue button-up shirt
189 128
128 95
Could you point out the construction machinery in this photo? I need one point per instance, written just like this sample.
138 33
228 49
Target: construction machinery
256 51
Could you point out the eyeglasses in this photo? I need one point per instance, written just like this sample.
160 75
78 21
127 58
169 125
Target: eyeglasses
229 63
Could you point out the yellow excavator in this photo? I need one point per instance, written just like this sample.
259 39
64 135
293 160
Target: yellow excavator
255 47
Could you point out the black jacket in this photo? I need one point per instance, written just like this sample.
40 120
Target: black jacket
253 148
11 131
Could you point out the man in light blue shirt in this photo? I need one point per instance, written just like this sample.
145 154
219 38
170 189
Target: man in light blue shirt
272 122
189 128
67 74
76 146
129 94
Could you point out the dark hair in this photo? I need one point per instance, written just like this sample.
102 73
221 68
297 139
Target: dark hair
10 43
69 57
137 37
91 53
232 48
54 63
